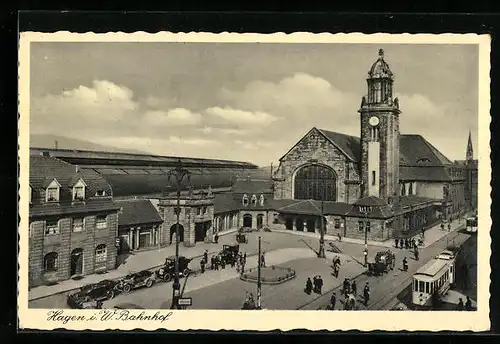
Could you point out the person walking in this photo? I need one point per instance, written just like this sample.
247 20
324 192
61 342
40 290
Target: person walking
396 242
320 284
449 226
354 288
223 262
205 255
468 304
202 266
212 263
366 293
345 287
309 286
405 264
262 261
460 305
333 301
216 238
339 236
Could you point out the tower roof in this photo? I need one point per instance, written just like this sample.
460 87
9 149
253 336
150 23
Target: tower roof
380 69
470 152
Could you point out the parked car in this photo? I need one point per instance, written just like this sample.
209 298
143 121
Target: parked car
103 290
135 280
167 271
229 253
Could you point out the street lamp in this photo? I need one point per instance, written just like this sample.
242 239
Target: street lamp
259 282
178 174
365 251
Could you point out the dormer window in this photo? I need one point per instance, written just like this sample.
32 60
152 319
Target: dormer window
254 200
245 200
261 200
52 192
100 193
423 160
79 190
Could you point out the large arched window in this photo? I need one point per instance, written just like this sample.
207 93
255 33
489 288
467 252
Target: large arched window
50 262
316 182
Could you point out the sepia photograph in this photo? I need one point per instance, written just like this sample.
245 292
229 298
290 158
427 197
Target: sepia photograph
251 175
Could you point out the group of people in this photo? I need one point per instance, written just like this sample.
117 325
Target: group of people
219 261
315 285
408 243
467 306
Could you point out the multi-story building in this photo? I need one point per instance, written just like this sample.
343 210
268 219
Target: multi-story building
73 222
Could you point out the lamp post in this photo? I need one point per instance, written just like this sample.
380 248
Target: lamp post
259 282
365 251
321 251
178 174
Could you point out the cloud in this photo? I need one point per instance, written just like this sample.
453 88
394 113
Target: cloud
174 117
191 141
242 117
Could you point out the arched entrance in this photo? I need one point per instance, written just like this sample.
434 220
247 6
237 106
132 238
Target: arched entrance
318 182
299 224
310 224
289 223
201 229
247 220
76 262
181 233
260 221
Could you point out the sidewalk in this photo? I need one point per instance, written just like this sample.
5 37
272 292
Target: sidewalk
138 261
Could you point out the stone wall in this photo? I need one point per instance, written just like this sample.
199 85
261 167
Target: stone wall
313 148
430 189
65 242
377 232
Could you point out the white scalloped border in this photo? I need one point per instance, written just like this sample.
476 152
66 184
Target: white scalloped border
270 320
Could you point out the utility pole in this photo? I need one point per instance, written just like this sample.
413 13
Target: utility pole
179 174
259 283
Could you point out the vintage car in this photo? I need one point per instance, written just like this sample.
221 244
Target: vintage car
167 271
229 253
143 278
103 290
241 238
383 263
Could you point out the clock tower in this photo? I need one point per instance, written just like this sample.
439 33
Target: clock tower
379 119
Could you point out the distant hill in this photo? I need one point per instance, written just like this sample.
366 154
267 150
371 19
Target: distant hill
49 141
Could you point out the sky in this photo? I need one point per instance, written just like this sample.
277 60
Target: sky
244 101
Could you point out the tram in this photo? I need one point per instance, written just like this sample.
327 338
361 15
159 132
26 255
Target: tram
433 280
471 224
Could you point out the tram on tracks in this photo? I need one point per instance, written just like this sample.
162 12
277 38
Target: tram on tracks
471 224
433 280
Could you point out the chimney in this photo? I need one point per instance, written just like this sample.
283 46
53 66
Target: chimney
77 168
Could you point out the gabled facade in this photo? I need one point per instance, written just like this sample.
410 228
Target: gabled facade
73 222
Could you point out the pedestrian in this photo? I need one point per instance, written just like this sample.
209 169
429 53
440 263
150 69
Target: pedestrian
333 301
423 233
223 262
449 226
405 264
320 284
352 302
336 270
460 305
346 287
216 238
212 263
414 243
416 254
315 284
339 236
468 304
217 262
309 286
396 242
354 288
366 293
205 255
262 261
442 226
233 261
393 261
245 257
202 266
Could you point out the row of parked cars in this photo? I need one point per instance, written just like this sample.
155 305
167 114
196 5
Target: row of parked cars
108 289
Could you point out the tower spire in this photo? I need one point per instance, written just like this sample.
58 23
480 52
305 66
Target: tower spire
469 156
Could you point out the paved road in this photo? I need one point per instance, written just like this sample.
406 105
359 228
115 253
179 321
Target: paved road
385 288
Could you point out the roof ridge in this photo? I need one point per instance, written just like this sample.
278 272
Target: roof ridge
322 132
295 203
434 150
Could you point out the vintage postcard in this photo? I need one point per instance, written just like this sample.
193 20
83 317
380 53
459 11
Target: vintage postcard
198 181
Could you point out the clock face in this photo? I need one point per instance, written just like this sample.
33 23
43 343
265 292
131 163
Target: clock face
373 121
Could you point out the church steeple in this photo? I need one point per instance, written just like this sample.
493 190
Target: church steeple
469 156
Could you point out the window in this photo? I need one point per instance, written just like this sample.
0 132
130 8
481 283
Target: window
245 200
100 253
204 210
100 193
361 226
410 189
421 286
261 200
51 227
77 224
368 226
101 222
337 223
403 189
52 191
50 262
198 211
254 200
317 182
373 178
427 287
415 285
